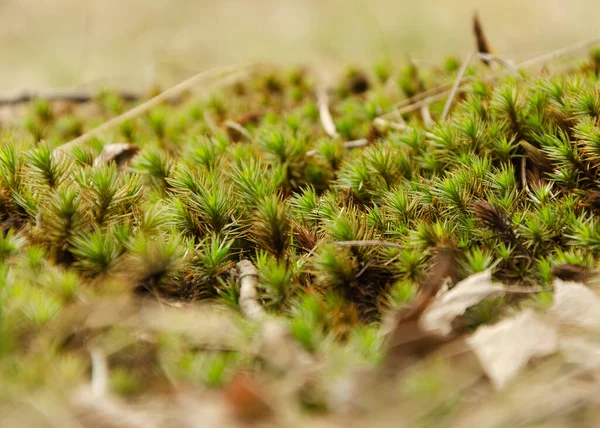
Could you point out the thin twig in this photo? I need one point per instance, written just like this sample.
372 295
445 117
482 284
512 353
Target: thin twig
369 243
325 114
522 290
440 92
489 57
233 75
355 143
459 78
541 59
248 300
387 124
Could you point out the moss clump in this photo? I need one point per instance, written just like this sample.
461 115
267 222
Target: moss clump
341 232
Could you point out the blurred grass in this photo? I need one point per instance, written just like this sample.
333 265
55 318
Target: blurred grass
54 43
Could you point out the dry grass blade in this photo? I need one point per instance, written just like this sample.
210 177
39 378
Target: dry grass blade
506 64
386 124
99 372
459 78
368 243
325 114
233 74
426 115
440 92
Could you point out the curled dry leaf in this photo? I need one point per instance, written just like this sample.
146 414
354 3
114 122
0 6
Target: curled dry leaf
408 341
120 153
505 348
438 316
575 304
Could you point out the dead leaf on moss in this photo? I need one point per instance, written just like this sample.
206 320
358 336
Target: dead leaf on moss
438 316
575 304
505 348
408 341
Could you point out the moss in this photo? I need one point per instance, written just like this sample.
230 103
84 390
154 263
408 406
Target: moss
509 181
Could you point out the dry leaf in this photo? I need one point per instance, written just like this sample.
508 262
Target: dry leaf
438 316
407 339
504 349
583 351
575 304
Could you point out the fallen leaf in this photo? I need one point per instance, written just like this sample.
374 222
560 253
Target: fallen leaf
438 316
575 304
583 351
408 341
505 348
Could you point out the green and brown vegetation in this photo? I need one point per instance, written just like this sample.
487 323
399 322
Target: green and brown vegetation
282 253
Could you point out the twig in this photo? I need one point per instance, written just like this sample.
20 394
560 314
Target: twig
248 300
459 77
424 102
384 123
524 174
355 143
369 243
489 57
163 96
515 289
77 97
325 114
541 59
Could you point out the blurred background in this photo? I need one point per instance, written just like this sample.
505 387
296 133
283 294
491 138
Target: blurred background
132 43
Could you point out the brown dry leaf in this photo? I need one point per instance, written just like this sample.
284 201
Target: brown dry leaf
505 348
120 153
571 272
575 304
438 316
